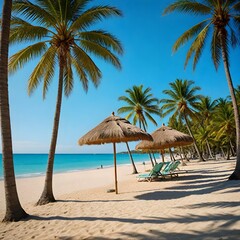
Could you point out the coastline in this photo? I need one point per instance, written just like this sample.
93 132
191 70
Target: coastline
34 165
199 204
29 188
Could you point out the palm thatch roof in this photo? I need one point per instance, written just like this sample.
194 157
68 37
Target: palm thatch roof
165 137
114 129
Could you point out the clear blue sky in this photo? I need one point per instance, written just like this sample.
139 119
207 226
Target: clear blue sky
147 38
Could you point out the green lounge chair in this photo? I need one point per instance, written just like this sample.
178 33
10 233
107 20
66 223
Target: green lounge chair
170 169
154 173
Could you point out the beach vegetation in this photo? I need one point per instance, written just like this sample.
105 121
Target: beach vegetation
222 24
141 105
205 113
181 101
223 125
63 40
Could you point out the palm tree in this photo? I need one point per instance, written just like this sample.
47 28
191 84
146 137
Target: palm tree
205 110
59 30
178 124
140 106
202 135
182 102
223 17
14 210
223 122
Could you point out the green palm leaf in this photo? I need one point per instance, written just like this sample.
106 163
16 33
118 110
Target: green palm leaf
104 39
188 7
43 69
18 60
101 52
94 15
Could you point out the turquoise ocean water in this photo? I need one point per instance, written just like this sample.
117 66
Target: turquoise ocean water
30 165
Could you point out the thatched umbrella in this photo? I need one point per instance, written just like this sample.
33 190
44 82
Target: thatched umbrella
114 129
165 137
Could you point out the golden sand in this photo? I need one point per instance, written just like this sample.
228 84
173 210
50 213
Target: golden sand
199 204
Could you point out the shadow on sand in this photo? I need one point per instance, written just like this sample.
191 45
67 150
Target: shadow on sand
197 183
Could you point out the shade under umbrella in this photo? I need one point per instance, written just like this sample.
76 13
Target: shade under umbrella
165 137
114 129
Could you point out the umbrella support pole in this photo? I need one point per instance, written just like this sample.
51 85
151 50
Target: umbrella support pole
162 156
115 167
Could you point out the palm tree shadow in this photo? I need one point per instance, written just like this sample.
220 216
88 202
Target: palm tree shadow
91 201
194 184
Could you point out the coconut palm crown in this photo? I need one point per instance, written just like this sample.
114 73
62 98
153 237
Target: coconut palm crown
140 105
64 40
221 19
61 39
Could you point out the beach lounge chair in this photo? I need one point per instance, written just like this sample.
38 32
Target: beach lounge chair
171 169
154 173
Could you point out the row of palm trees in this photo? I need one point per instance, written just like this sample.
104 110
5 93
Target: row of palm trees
209 122
59 34
222 23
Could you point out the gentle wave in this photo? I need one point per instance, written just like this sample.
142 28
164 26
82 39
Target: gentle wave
34 165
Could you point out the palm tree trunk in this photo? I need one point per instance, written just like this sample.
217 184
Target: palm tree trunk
154 158
232 148
236 173
150 156
209 149
144 127
47 194
14 210
194 140
223 153
228 153
171 155
131 158
184 154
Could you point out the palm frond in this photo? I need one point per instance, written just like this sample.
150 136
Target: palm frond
24 31
188 35
104 39
101 52
125 109
23 56
236 21
200 43
236 6
94 15
197 46
186 6
68 76
33 12
49 74
84 60
127 100
130 116
216 49
233 38
80 70
78 7
45 64
151 118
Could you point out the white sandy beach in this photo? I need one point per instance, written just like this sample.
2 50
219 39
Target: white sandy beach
199 204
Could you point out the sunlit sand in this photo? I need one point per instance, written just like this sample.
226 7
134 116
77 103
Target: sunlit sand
199 204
